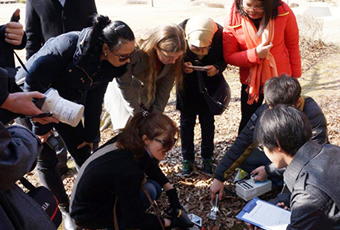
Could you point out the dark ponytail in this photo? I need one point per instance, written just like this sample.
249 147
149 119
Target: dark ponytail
114 34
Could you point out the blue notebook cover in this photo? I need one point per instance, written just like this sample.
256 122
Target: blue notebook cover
264 215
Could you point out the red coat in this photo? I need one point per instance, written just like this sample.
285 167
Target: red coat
285 48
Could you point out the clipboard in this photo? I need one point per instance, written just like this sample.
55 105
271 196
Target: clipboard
265 215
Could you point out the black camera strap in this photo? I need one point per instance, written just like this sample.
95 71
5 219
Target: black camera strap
23 66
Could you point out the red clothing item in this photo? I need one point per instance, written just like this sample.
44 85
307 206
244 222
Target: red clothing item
285 48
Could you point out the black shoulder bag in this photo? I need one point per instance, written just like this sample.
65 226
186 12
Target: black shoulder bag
45 199
217 101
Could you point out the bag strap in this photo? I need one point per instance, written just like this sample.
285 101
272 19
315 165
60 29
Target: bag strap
201 85
28 73
27 184
153 205
115 220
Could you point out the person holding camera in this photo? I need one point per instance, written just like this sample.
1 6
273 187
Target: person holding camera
110 189
14 102
19 147
150 77
204 49
79 65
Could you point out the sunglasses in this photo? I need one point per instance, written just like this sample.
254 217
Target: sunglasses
166 144
258 9
125 57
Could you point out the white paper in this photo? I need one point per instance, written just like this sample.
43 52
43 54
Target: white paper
268 216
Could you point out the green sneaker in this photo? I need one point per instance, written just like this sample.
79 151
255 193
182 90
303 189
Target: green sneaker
207 166
187 168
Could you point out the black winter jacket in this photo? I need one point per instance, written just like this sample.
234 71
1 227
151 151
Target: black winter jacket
190 99
6 50
47 18
19 149
243 145
109 173
7 72
61 64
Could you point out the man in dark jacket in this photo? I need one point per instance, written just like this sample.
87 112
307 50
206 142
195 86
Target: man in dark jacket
312 172
280 90
46 19
19 149
12 101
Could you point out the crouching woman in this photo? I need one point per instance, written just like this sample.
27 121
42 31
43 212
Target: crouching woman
109 193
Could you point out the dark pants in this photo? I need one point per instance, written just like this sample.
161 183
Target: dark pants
60 150
48 173
154 190
188 122
256 159
247 110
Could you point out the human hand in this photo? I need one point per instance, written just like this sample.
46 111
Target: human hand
167 222
252 227
45 120
14 30
173 199
260 173
212 70
43 138
21 103
186 67
263 50
180 220
283 205
216 187
84 144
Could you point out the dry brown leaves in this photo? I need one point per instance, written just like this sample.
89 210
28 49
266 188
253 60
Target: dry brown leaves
194 191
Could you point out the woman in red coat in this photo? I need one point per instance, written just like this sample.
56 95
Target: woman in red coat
262 38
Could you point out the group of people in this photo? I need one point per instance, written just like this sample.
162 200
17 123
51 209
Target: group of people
92 60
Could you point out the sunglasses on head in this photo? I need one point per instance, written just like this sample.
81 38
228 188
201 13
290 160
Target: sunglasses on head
125 57
166 144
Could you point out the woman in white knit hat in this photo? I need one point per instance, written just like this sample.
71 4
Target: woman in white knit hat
204 40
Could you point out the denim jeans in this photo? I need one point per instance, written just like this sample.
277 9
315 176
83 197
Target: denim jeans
188 122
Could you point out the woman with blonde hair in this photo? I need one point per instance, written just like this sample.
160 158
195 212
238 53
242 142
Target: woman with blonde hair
150 77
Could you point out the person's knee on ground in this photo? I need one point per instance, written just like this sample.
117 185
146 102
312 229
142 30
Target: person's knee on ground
154 190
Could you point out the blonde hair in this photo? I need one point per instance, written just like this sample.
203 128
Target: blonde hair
169 38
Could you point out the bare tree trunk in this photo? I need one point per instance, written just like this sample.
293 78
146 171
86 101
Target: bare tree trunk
151 3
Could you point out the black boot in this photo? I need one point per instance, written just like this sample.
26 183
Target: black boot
68 222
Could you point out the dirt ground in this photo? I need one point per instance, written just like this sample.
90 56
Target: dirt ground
320 80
